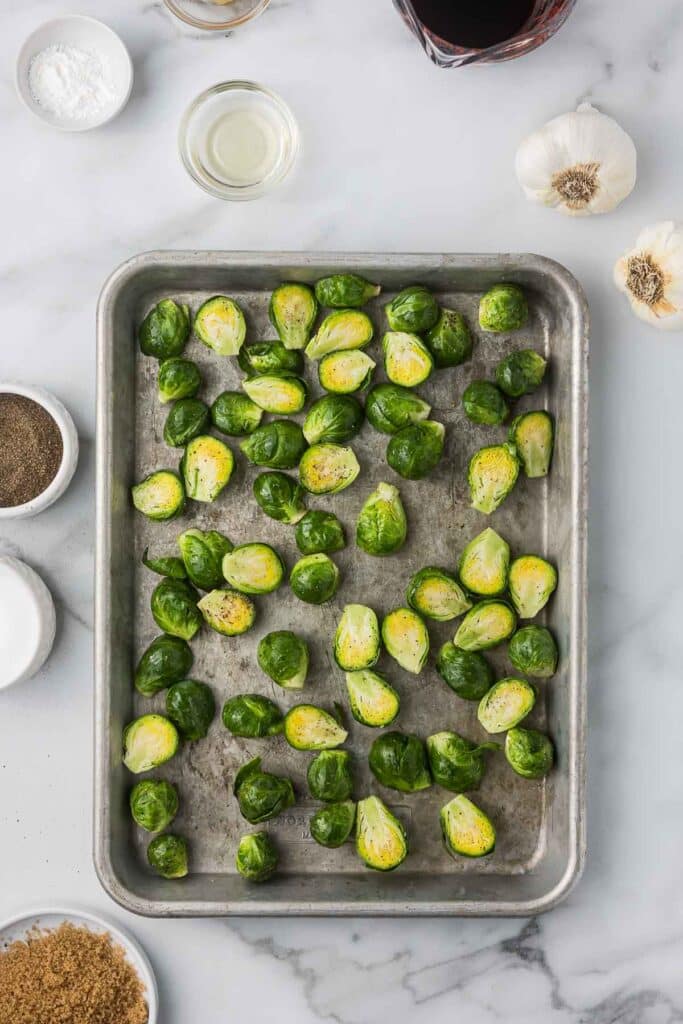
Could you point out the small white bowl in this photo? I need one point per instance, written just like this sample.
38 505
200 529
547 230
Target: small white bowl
85 34
27 621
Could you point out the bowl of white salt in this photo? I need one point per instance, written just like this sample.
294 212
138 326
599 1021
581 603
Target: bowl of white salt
74 73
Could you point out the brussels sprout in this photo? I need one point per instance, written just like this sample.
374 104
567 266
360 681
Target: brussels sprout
283 656
438 595
279 445
533 650
167 660
220 325
382 528
468 673
165 330
165 566
345 372
381 840
466 830
153 804
308 727
491 475
390 407
168 855
333 418
280 497
178 378
260 795
449 340
149 741
414 451
356 642
252 716
414 309
399 760
190 705
314 579
187 419
329 776
227 611
455 763
328 468
331 826
484 564
345 291
532 582
253 568
206 466
203 556
293 309
520 373
269 357
529 753
503 308
506 704
319 532
160 495
373 701
406 638
280 393
257 857
235 414
174 608
346 329
533 435
486 625
407 360
483 403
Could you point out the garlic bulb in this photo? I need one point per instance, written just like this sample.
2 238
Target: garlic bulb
651 274
580 163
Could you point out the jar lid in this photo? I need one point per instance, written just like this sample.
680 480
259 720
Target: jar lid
27 621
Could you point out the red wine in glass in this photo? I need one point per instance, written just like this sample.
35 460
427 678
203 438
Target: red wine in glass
475 24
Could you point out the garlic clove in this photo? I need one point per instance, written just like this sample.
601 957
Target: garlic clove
651 276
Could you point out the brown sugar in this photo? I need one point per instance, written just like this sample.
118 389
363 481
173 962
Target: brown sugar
31 449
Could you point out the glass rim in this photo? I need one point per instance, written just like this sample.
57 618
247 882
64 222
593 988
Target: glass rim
177 9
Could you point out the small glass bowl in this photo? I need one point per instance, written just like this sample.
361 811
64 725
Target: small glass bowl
216 17
202 114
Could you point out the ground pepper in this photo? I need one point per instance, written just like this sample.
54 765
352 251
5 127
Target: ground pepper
31 449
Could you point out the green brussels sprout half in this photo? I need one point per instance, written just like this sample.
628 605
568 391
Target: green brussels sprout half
280 497
382 527
167 854
342 373
315 579
333 418
293 309
484 564
319 531
174 608
533 435
178 378
252 716
227 611
414 309
149 741
399 761
506 704
167 660
257 857
455 763
307 727
206 466
373 701
406 638
345 291
407 360
491 475
153 804
165 566
279 393
484 403
468 673
269 357
332 826
381 841
415 451
160 495
356 641
187 419
486 625
533 650
328 468
329 776
503 308
191 706
520 373
165 330
235 414
346 329
220 325
529 753
260 795
203 554
253 568
450 339
466 830
283 656
278 445
438 595
532 581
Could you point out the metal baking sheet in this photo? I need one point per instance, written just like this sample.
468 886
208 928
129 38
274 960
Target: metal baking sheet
540 825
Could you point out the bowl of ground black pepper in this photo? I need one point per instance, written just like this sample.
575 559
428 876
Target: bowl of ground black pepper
38 450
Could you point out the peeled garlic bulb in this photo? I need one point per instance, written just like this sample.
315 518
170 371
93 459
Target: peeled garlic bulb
579 163
651 275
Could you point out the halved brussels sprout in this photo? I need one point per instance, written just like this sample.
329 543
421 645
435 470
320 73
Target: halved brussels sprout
280 393
187 419
407 360
491 475
356 642
345 372
506 704
399 761
529 753
203 556
406 638
293 309
381 840
314 579
149 741
252 716
220 325
227 612
331 826
533 435
345 291
160 495
483 403
503 308
191 707
466 830
468 673
174 608
533 650
167 660
520 373
206 466
373 701
279 445
319 531
532 581
414 309
438 595
346 329
165 330
269 357
260 795
308 727
333 418
178 378
165 565
167 854
450 339
235 414
283 656
382 527
415 451
153 804
328 468
455 763
257 857
486 625
329 776
484 564
280 497
253 568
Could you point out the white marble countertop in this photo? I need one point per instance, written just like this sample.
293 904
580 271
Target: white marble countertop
397 155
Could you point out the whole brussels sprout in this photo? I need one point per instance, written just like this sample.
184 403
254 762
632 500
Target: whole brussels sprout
486 625
529 753
382 527
491 475
342 373
167 660
283 656
415 451
520 373
533 435
503 308
206 466
235 414
315 579
468 673
333 418
532 581
279 393
373 701
390 407
329 776
356 641
346 329
251 716
270 357
149 741
279 445
167 854
483 403
280 497
319 532
260 795
257 857
407 360
533 650
331 826
438 595
328 468
406 638
203 554
220 325
308 727
449 340
174 608
178 378
227 611
167 565
414 309
345 291
293 309
253 568
187 419
165 330
399 761
381 841
153 804
484 563
191 707
160 495
506 704
455 763
466 830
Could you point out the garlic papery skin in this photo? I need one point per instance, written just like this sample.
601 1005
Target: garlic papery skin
651 275
579 163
